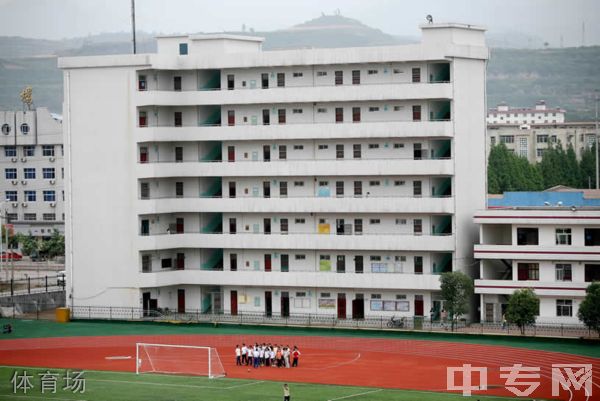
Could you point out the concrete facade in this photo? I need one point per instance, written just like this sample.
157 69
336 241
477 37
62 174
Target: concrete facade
33 171
329 181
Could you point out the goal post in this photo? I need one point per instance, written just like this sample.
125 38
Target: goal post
178 359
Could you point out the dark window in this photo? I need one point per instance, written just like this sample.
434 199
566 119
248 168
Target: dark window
180 261
528 271
280 79
564 272
146 263
417 151
233 261
527 236
266 153
339 77
179 189
145 230
564 307
231 117
144 190
264 80
232 189
339 151
183 49
358 226
358 264
230 82
416 113
339 114
178 154
281 116
592 273
283 226
143 119
339 188
418 264
178 119
266 115
356 114
282 152
177 83
341 264
266 189
283 189
143 154
142 84
166 263
592 236
356 77
357 151
232 225
285 263
417 188
418 226
416 75
267 225
357 188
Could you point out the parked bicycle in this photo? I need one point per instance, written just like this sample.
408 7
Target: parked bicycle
396 323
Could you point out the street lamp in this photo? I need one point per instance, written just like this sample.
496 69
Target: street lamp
5 216
597 143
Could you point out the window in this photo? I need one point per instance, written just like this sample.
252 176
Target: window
143 119
339 114
339 151
527 236
280 79
48 173
418 260
10 173
183 49
397 108
321 110
49 196
296 111
298 147
339 77
417 188
29 173
298 183
564 307
375 296
563 272
297 74
493 140
30 217
13 216
299 221
373 72
416 112
357 188
300 257
323 147
358 226
528 271
400 221
321 73
417 226
563 236
282 152
542 139
178 119
416 75
540 152
357 151
281 116
29 151
47 150
374 183
283 226
356 114
507 139
24 129
374 221
523 149
230 82
11 196
283 189
398 145
10 151
398 183
592 236
146 263
145 190
592 273
339 188
30 196
179 189
355 77
374 108
49 216
373 146
397 71
5 129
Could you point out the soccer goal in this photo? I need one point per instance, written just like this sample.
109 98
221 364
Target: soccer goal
178 359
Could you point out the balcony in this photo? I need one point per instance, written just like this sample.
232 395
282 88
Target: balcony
282 168
537 252
425 205
297 94
308 241
331 130
291 279
541 288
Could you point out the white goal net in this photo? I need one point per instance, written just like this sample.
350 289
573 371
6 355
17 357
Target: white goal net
178 359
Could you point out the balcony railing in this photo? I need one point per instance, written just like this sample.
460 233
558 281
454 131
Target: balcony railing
304 269
224 124
294 160
277 196
262 232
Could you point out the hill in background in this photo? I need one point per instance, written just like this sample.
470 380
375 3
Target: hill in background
562 77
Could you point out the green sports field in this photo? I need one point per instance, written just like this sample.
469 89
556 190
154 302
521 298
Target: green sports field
110 386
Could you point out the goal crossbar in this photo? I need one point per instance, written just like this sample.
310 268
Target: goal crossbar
214 367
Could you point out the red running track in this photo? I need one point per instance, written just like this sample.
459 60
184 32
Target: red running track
385 363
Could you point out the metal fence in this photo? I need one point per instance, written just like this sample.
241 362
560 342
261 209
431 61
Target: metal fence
330 321
32 285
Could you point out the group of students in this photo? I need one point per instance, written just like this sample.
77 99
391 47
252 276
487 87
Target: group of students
258 355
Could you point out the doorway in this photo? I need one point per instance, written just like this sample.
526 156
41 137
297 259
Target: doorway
266 153
358 307
234 303
268 304
267 262
341 306
180 301
419 309
285 304
230 153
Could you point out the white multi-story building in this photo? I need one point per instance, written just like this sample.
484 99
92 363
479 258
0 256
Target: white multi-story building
540 114
555 250
532 140
32 164
215 176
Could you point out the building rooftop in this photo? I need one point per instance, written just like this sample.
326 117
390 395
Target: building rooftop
559 197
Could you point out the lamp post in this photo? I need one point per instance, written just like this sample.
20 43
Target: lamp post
597 143
3 215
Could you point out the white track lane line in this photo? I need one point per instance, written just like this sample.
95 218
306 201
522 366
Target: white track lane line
355 395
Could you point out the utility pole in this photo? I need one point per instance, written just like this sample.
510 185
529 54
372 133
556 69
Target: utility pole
597 143
133 24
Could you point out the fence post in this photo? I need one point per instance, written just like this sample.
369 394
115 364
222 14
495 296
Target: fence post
12 287
37 311
46 279
561 329
28 285
309 315
110 313
132 313
89 312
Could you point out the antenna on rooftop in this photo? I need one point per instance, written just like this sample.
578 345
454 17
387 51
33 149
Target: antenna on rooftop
429 19
133 25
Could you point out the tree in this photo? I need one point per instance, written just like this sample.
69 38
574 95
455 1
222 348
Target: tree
589 309
587 168
29 245
523 307
55 246
457 289
509 172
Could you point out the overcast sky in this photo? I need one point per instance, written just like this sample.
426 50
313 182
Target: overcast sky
56 19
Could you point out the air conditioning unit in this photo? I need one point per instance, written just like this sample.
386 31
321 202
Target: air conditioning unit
15 204
24 204
14 159
52 159
24 182
23 159
52 182
15 182
52 204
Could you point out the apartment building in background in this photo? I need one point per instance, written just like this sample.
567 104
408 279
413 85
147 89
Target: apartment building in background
539 114
548 241
32 171
234 180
